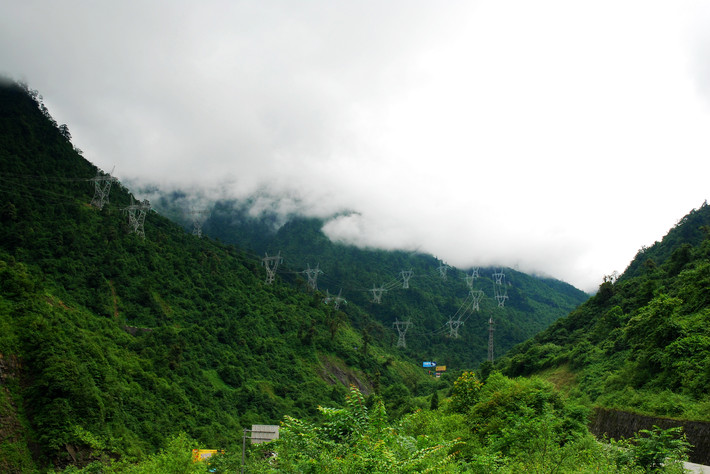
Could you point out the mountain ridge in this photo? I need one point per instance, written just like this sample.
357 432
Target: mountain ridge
642 342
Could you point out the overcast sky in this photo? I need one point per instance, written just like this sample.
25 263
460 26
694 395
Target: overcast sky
556 137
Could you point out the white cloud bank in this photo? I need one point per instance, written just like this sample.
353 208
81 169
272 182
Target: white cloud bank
555 136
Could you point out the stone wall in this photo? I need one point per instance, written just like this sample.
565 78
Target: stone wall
620 424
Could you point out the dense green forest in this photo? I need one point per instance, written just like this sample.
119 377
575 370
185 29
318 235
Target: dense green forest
429 300
642 343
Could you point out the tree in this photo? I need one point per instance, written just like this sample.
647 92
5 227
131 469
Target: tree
434 405
64 130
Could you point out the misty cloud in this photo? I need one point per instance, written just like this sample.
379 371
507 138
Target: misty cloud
553 136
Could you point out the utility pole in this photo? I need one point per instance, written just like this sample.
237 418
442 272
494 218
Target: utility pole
102 186
136 216
197 220
271 264
401 327
490 340
377 294
406 275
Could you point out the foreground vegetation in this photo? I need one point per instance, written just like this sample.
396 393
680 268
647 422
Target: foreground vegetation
500 426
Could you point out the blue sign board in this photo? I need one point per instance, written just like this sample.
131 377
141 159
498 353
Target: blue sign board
429 364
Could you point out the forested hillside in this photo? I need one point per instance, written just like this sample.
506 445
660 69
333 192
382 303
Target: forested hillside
643 342
434 295
112 341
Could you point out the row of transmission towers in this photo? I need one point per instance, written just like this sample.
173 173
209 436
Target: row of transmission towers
501 294
136 211
271 264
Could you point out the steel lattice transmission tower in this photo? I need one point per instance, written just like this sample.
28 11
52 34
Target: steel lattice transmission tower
337 300
402 327
198 218
377 294
490 340
454 327
102 186
442 270
312 275
406 275
136 216
476 296
271 264
501 295
501 292
472 277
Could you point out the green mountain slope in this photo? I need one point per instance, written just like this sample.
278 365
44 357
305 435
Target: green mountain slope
110 343
533 303
643 342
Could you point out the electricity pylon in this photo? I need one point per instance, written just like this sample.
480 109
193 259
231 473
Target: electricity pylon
501 295
406 275
136 216
401 327
442 270
271 264
454 327
476 296
490 339
197 220
102 186
312 275
472 277
377 294
337 300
